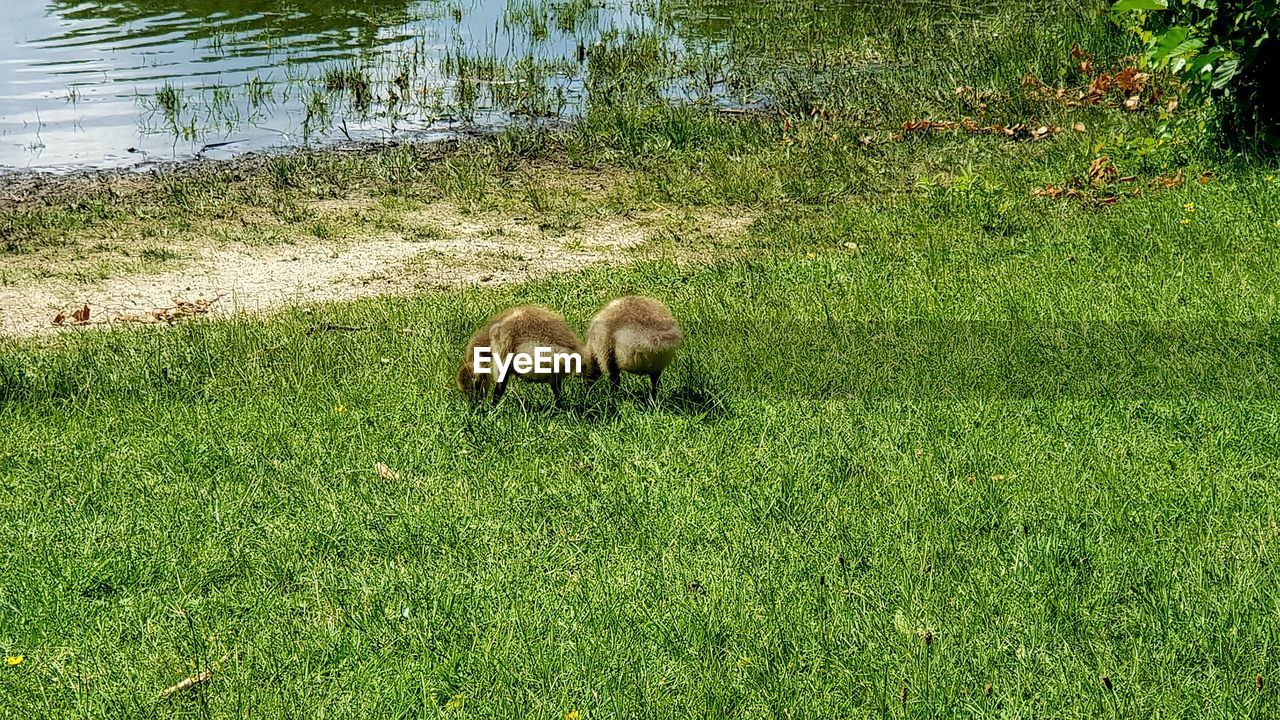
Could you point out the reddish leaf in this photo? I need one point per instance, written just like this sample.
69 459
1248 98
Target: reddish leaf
1101 170
81 315
1131 80
1100 85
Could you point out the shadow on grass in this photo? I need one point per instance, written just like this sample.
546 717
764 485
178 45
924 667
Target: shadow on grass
687 391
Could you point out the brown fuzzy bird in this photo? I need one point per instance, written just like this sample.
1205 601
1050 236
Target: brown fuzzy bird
532 331
633 334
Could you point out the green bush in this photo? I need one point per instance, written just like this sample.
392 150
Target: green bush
1226 53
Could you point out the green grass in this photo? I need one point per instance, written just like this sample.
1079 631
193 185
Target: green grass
1054 500
930 438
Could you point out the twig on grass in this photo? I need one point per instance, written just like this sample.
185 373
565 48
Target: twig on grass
192 682
330 327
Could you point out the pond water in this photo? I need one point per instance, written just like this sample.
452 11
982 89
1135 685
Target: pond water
132 82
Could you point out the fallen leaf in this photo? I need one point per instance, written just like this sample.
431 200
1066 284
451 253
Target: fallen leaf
1205 177
386 472
1171 181
59 318
1100 85
1131 103
82 315
1101 170
1131 80
1078 127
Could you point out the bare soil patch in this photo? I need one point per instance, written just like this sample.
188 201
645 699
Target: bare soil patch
435 247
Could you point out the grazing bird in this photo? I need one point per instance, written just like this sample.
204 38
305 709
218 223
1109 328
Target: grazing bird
634 334
527 332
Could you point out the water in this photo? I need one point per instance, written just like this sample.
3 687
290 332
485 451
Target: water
131 82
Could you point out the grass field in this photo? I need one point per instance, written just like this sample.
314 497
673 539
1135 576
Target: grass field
936 446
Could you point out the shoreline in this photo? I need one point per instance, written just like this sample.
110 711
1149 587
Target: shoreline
19 186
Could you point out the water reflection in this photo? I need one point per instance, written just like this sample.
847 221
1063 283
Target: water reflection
225 29
134 81
206 18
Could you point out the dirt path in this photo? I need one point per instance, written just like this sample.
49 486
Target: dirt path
221 279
